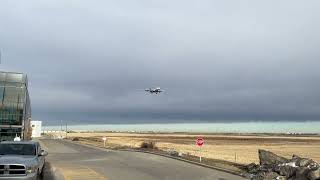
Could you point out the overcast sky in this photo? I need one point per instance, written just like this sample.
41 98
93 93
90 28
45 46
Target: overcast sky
89 61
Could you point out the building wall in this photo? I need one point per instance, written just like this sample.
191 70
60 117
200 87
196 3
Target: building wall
15 109
36 128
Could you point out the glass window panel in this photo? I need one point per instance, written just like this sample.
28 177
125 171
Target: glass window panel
12 77
1 94
2 76
13 106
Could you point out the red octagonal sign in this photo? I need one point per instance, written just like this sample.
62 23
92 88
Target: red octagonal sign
200 142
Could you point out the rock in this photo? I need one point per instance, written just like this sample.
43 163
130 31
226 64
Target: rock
274 167
304 162
287 171
302 173
252 168
265 176
173 153
291 164
247 175
277 169
281 178
271 176
314 175
294 156
259 176
313 165
269 158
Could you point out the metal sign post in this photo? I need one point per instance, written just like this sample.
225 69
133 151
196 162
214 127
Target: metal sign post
200 153
104 141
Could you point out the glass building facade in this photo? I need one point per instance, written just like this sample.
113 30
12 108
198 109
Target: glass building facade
15 109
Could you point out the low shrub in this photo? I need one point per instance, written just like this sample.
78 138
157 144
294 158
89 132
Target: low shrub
75 139
148 145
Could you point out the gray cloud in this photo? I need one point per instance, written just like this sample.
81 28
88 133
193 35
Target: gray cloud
217 60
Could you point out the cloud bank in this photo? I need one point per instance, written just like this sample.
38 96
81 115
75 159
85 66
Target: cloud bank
88 62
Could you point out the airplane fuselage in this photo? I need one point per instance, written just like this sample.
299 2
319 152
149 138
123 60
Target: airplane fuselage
152 91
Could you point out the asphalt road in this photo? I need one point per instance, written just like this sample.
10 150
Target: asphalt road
74 161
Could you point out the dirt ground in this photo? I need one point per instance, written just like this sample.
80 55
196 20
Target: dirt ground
236 148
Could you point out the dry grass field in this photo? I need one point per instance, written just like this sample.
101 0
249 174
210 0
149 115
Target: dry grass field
236 148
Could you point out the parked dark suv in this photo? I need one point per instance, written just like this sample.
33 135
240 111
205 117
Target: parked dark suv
23 160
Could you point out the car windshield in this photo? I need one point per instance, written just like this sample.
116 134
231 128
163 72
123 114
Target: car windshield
17 149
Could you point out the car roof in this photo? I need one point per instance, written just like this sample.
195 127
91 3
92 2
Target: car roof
19 142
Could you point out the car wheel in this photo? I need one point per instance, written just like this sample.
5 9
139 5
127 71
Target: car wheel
40 175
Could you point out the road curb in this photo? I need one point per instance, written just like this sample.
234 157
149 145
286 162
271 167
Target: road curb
185 160
163 155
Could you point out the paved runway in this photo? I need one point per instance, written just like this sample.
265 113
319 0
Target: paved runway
79 162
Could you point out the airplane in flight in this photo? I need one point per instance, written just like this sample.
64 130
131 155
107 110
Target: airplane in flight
154 90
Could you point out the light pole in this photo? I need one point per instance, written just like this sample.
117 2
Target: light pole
61 129
66 130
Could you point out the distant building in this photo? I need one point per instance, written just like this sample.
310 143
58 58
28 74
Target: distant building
15 109
36 128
